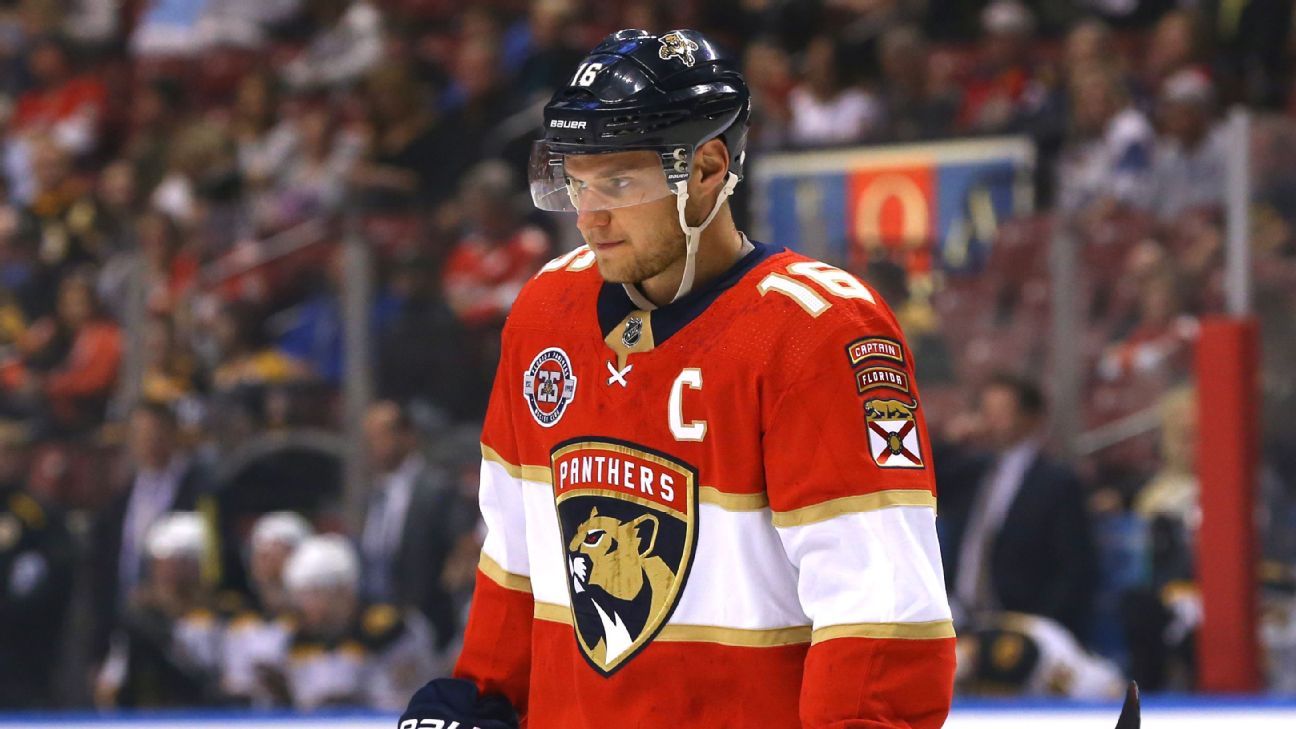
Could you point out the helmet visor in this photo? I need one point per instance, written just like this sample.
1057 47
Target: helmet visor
565 179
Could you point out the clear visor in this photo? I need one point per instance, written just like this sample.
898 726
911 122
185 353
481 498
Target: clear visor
565 180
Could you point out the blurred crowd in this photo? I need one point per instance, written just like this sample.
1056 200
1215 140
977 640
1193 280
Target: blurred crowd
182 185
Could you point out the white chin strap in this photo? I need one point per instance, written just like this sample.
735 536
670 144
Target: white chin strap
692 238
693 234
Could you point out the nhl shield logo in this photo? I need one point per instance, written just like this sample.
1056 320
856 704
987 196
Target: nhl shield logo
549 386
633 330
893 434
675 45
628 518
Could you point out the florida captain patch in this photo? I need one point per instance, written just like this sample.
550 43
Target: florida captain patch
629 526
549 386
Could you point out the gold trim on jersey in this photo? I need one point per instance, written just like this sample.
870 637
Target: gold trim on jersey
501 576
902 631
634 335
539 474
740 637
853 505
732 502
706 494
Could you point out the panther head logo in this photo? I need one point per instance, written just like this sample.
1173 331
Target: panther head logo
614 570
675 45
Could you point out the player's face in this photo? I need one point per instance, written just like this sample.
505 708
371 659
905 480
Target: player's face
267 564
324 611
632 243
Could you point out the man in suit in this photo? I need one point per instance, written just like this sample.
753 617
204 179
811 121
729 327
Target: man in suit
413 520
164 479
1016 533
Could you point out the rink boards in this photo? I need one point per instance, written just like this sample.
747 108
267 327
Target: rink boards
1187 713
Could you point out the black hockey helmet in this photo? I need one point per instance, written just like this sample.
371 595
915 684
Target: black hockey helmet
664 93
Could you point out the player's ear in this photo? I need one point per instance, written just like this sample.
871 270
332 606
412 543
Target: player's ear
711 165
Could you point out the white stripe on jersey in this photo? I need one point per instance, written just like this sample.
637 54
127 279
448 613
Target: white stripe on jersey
870 567
866 569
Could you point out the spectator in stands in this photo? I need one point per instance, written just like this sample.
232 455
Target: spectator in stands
158 111
1016 534
1175 46
348 43
768 70
343 652
1002 89
547 55
171 373
1109 153
36 565
201 188
164 479
60 215
499 252
165 649
405 166
826 109
256 639
915 108
247 360
312 332
68 364
415 366
264 135
1189 167
62 104
1091 44
1157 343
413 521
314 176
477 102
171 267
1252 49
117 203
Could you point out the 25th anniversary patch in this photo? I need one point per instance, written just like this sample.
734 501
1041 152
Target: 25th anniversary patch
549 386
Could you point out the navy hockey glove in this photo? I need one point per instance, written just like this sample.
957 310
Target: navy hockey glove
453 703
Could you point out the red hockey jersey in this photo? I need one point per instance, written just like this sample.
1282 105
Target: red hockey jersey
716 513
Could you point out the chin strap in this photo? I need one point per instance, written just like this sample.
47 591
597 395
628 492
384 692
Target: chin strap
693 234
692 238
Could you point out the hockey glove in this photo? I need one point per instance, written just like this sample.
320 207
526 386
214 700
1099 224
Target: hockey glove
453 703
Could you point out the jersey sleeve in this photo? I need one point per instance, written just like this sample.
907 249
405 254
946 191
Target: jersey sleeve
849 476
496 653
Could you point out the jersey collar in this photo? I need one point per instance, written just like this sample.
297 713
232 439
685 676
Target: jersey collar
616 301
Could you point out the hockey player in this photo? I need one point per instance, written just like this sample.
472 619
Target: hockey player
1028 655
343 653
166 649
257 637
706 478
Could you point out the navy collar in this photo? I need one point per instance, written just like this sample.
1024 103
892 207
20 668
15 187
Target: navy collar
614 304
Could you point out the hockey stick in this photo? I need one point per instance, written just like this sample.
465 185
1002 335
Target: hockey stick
1129 716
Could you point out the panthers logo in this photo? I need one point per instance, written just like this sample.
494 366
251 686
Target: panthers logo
628 523
675 45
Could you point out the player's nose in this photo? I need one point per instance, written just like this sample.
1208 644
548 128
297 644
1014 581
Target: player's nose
590 220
